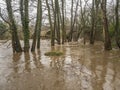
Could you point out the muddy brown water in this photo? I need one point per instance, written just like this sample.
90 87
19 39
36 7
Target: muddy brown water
80 68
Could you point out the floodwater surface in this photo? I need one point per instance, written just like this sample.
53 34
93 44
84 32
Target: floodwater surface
82 67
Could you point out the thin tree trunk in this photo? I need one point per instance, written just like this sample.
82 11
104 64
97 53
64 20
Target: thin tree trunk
95 9
63 23
71 29
51 27
74 20
82 20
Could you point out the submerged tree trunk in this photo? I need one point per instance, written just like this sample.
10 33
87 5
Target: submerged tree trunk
51 27
117 28
36 36
25 23
82 21
71 28
92 32
63 23
107 43
57 12
40 25
27 33
15 40
94 17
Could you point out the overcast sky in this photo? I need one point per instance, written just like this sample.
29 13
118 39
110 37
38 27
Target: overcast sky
33 11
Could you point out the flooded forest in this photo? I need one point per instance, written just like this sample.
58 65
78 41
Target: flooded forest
59 45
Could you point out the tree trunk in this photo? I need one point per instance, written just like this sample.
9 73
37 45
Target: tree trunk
51 27
25 23
63 24
71 29
40 25
15 40
107 43
57 12
117 28
92 32
94 17
36 36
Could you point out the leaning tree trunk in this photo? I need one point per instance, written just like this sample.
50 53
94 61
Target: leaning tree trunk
25 23
51 27
117 28
107 43
15 40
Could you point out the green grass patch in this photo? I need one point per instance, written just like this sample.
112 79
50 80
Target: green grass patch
53 53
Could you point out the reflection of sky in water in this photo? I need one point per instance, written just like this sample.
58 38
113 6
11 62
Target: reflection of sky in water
45 61
68 60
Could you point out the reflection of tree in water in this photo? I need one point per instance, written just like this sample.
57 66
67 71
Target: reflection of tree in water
57 61
110 73
27 62
37 58
99 70
16 58
57 68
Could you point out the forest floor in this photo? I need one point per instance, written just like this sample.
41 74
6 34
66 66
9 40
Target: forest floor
81 67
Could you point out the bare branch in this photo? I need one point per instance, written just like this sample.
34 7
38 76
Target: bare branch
3 18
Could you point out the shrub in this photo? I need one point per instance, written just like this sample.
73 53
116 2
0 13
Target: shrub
53 53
